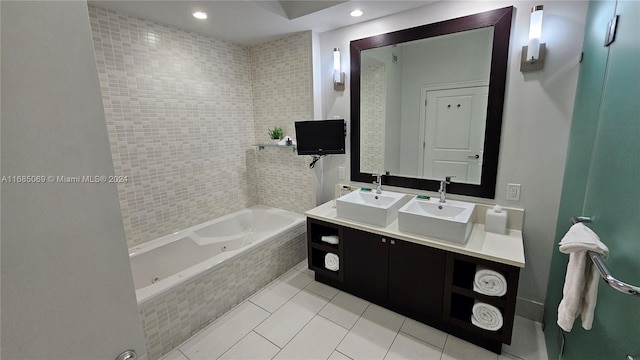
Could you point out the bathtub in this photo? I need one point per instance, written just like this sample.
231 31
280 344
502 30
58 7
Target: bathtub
161 265
186 280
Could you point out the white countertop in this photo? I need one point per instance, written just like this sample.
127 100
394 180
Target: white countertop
506 249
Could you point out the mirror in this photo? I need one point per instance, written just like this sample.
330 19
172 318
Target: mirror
426 103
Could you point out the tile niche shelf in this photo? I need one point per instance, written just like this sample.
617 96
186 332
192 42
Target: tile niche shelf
261 146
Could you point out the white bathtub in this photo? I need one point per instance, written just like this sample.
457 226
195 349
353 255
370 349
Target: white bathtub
160 265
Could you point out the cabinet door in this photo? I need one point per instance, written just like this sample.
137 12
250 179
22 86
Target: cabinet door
366 264
416 280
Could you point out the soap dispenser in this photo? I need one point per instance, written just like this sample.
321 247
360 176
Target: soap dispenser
496 220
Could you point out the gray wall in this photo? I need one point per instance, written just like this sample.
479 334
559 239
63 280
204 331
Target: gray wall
444 60
67 290
535 126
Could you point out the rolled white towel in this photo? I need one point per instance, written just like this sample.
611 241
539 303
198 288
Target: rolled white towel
331 262
486 316
489 282
331 239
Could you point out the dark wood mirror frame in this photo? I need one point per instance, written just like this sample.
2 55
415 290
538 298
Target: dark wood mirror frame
500 19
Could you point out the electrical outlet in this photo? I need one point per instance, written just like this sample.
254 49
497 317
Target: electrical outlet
341 173
513 192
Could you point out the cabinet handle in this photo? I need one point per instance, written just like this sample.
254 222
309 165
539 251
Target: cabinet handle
393 242
384 240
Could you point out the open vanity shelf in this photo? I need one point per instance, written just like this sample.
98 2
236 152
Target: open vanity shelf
419 279
317 249
459 296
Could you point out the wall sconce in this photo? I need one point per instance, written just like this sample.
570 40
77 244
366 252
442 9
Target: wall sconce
534 53
338 75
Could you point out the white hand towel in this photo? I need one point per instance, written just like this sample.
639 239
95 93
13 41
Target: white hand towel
331 239
486 316
489 282
580 290
579 237
331 262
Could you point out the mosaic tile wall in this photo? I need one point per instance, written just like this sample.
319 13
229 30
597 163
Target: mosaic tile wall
179 113
172 319
373 115
281 75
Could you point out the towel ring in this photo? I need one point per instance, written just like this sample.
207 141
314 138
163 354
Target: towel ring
601 265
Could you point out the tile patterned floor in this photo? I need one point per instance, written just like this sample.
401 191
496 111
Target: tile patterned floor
295 317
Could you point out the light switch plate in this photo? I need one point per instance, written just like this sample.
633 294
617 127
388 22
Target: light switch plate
513 192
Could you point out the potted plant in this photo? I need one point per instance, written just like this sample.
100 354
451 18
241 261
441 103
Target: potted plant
276 134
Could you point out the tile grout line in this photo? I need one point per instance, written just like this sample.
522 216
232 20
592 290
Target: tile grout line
305 325
235 307
234 344
277 279
336 350
270 313
354 324
444 346
394 338
271 342
314 280
326 318
417 338
286 302
183 354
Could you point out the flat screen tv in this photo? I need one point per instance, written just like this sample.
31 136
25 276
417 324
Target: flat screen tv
320 137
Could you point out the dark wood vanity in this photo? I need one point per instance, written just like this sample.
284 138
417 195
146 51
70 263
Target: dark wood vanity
426 283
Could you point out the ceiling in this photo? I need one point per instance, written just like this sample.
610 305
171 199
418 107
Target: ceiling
247 22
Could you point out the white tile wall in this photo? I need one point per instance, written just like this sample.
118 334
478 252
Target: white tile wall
281 75
183 111
372 110
179 113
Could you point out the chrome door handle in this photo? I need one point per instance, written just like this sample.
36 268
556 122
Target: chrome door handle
476 156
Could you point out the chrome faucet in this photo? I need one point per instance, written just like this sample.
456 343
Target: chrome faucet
443 188
378 183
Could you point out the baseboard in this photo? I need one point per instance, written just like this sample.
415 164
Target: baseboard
529 309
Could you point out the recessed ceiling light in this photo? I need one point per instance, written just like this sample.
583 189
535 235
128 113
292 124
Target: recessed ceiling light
356 13
200 15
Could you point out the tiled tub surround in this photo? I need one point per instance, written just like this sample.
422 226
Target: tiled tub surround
178 107
183 111
170 318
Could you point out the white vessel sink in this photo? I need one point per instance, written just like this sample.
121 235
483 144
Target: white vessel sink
450 221
369 207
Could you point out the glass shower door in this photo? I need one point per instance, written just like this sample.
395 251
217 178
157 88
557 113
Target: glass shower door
602 180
